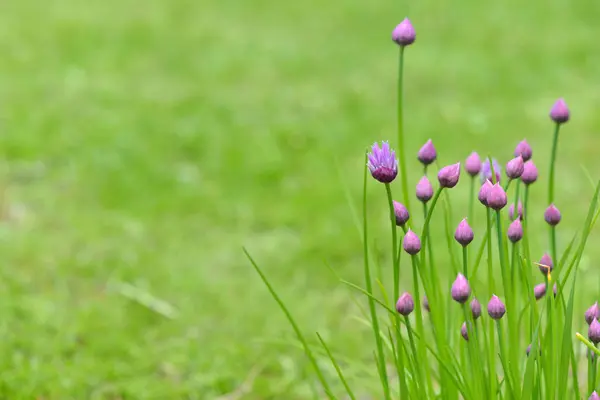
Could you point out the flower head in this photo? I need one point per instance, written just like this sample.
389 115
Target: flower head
592 313
515 231
524 150
552 215
404 33
424 190
546 266
496 197
496 308
594 396
464 233
483 192
559 112
511 211
486 171
426 303
473 164
475 308
405 304
539 291
427 153
460 289
514 168
448 176
411 243
383 163
594 331
463 331
530 173
401 213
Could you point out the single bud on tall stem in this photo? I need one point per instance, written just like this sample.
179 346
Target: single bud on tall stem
460 289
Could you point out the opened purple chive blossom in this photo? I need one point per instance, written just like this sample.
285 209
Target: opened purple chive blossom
460 289
475 308
405 304
486 171
402 215
463 331
411 243
496 308
448 176
515 231
524 150
464 233
560 112
404 33
539 291
530 173
483 192
552 215
594 396
546 264
594 331
424 190
592 313
473 164
496 197
425 303
511 211
514 168
383 163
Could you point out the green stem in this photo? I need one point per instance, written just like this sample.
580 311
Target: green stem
492 290
552 163
505 362
395 264
465 262
420 328
401 152
369 286
425 231
416 356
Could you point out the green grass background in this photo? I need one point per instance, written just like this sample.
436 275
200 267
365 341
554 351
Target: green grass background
146 142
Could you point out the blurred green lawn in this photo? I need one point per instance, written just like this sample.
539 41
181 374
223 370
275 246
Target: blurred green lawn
146 142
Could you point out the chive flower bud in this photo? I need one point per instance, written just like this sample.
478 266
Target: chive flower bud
448 176
404 33
424 190
427 153
559 112
473 164
405 304
464 233
401 213
552 215
460 289
496 308
411 243
524 150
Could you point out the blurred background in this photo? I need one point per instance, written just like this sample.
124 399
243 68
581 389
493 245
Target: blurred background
144 143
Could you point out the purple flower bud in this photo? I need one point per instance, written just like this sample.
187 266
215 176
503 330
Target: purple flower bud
401 213
382 163
483 192
546 264
424 190
486 171
496 308
524 150
559 112
463 331
552 215
426 303
464 233
539 291
515 231
496 197
475 308
427 153
594 331
514 168
460 289
554 290
404 33
411 243
511 211
594 396
448 176
530 173
592 313
473 164
528 350
405 304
